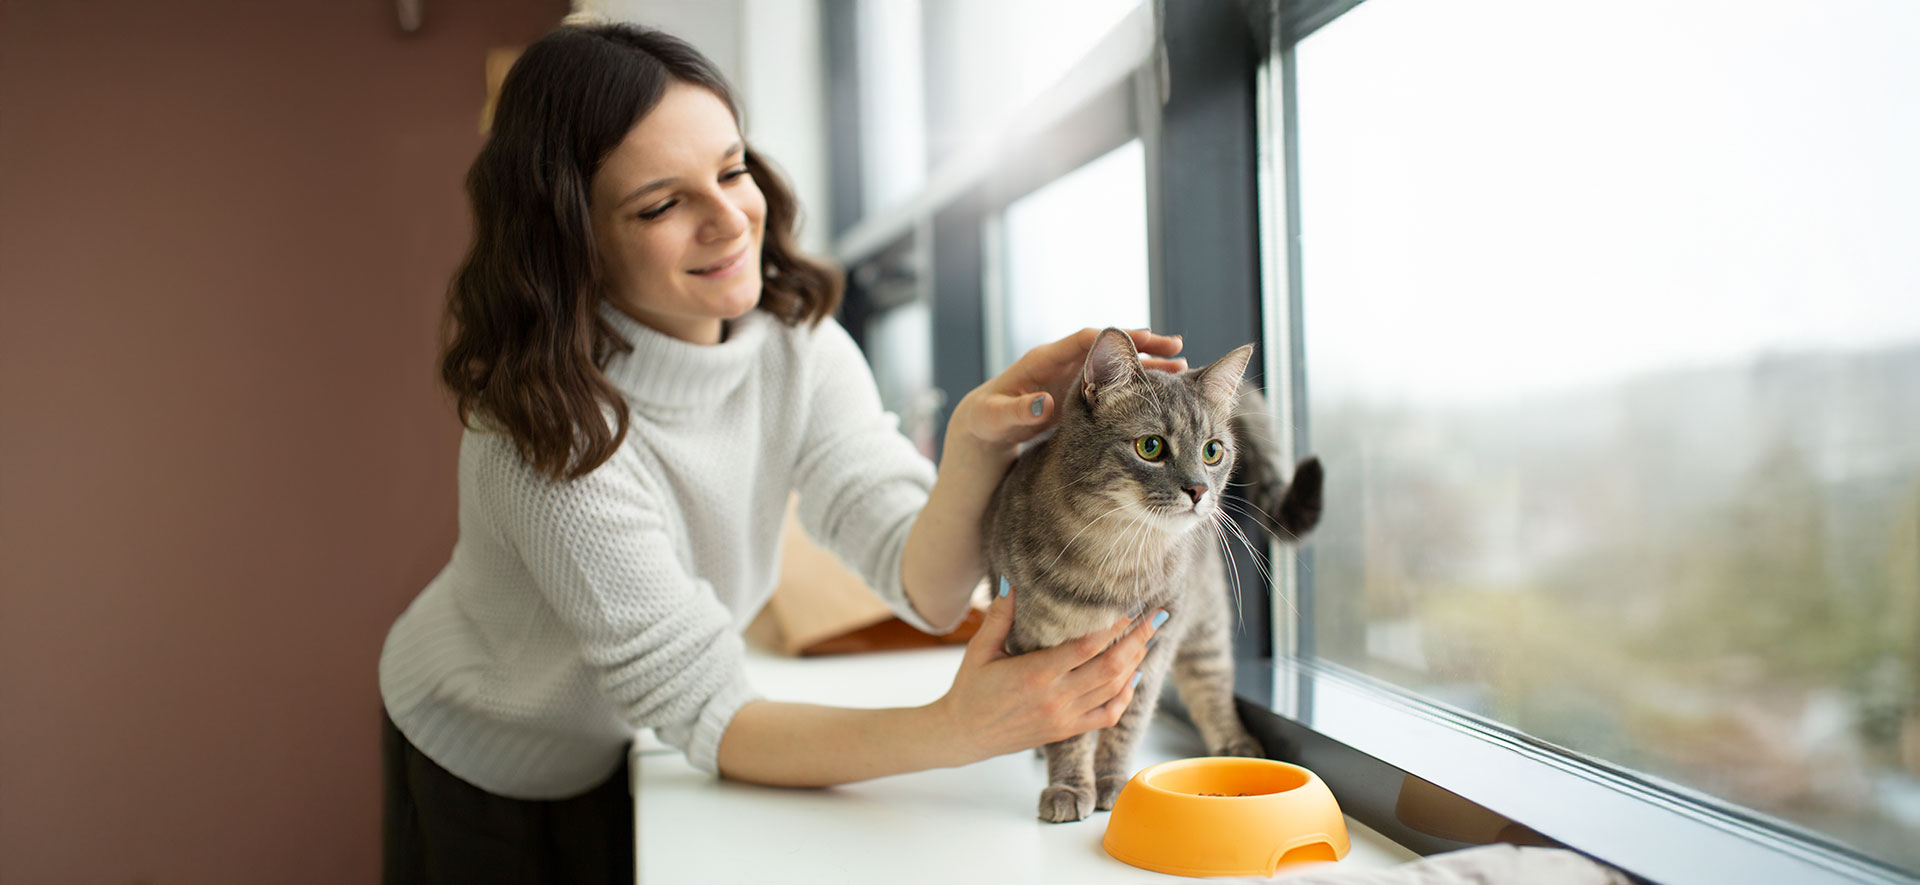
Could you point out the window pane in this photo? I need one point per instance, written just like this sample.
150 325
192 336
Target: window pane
989 58
1076 254
893 143
1612 318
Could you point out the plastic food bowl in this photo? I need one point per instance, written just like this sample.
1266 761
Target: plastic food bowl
1225 816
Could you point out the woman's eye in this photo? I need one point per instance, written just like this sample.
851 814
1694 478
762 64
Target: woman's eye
733 174
1152 448
1212 452
652 214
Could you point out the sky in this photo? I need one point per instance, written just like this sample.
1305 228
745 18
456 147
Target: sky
1508 197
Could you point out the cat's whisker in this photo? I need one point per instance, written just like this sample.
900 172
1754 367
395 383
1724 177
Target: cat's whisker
1252 552
1136 552
1223 523
1117 543
1076 536
1113 542
1083 478
1129 553
1269 578
1256 562
1250 509
1226 563
1257 559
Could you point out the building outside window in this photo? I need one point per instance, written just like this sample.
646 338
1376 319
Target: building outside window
1612 342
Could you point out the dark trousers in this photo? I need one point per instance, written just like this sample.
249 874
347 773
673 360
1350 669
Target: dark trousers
437 828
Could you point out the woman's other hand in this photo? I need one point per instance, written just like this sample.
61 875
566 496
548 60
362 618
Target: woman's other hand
1020 402
1002 703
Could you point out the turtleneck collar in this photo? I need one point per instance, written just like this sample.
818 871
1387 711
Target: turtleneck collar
665 371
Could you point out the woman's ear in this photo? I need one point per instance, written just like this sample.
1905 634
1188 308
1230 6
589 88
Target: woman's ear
1111 365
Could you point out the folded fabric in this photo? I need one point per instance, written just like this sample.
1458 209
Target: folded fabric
1484 865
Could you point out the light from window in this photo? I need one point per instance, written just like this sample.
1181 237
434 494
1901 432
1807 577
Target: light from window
991 58
1612 339
893 143
1076 254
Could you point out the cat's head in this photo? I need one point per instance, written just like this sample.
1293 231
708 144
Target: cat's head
1154 442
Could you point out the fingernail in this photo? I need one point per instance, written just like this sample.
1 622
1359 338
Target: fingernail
1136 680
1039 404
1003 585
1158 619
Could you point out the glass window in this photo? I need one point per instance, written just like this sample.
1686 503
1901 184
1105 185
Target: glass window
1612 347
893 140
989 58
1075 255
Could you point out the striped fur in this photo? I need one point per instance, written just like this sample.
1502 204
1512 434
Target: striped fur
1090 531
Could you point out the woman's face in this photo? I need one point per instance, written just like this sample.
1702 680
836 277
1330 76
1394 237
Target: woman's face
677 219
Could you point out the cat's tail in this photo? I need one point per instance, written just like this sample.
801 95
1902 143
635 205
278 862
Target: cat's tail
1293 506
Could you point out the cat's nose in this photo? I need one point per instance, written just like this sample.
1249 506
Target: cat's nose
1195 491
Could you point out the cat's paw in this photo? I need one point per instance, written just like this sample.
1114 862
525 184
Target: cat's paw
1243 745
1061 804
1107 789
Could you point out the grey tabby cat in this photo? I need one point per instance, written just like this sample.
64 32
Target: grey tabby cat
1116 514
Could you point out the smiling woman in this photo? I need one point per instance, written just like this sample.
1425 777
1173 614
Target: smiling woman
646 372
657 185
682 251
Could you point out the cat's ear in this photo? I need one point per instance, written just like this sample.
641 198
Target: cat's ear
1111 364
1219 381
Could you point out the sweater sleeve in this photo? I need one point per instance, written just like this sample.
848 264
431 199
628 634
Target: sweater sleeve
861 482
659 640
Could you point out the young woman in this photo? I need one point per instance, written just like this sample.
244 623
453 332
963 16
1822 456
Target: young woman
646 369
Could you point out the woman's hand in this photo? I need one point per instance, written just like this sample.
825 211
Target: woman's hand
1001 703
998 704
1019 403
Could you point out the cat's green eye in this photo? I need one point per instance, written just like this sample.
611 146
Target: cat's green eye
1212 452
1152 448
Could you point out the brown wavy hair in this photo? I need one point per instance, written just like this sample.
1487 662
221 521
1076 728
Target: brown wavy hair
524 342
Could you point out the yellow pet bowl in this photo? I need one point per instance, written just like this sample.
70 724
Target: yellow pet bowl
1225 816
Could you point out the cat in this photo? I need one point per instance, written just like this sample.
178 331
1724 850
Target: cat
1114 514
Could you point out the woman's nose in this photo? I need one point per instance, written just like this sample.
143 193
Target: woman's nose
728 220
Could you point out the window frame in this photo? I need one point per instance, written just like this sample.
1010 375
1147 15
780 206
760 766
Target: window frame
1213 103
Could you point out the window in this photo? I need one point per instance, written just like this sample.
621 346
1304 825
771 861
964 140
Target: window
893 138
1601 316
989 59
1075 255
1611 324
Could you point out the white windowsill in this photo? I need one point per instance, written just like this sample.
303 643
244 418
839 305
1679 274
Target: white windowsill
960 825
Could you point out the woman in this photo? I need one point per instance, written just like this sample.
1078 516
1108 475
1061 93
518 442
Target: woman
646 369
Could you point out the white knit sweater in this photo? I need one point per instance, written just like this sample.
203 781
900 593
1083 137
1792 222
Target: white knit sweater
573 613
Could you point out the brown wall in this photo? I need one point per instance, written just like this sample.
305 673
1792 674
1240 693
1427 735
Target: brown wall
225 231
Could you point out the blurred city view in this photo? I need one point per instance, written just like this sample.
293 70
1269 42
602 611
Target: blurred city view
1612 350
1709 575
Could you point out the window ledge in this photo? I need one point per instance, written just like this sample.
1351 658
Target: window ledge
1364 738
961 825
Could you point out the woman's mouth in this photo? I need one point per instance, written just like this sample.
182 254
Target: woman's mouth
726 268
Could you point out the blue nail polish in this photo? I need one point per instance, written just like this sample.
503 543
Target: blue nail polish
1136 680
1159 619
1039 404
1003 585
